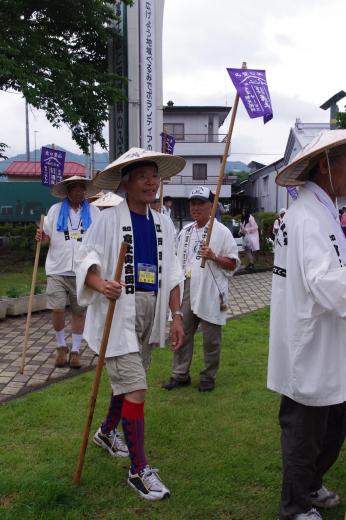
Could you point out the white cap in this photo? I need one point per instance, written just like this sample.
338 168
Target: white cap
282 211
202 193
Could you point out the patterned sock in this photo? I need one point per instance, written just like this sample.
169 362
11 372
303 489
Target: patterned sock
114 414
132 417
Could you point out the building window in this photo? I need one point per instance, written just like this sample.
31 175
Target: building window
265 185
176 129
6 210
199 172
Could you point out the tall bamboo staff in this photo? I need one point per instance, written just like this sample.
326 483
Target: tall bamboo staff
31 296
99 367
222 169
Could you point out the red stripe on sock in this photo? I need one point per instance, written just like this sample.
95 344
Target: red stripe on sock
132 410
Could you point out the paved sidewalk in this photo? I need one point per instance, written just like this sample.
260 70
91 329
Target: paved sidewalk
248 293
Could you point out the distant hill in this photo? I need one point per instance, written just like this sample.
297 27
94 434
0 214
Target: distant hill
236 166
101 159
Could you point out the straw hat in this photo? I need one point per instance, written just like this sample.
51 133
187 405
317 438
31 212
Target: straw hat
107 200
168 165
296 172
59 189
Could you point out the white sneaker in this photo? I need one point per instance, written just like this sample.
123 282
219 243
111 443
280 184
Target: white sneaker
111 442
325 498
148 484
313 514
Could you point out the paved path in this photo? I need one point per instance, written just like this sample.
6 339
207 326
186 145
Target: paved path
248 293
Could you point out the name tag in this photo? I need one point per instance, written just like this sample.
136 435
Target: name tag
75 235
147 273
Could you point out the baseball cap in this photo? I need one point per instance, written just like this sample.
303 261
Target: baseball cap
201 193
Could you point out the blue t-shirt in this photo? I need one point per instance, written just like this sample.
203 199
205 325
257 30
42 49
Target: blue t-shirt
145 252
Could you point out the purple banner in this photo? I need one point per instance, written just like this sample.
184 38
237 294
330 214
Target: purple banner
292 190
168 143
252 88
52 166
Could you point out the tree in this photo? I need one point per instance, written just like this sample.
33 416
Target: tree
341 119
3 147
55 53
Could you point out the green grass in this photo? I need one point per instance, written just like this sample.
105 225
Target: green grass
218 452
16 277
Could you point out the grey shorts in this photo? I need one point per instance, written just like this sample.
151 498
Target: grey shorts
59 288
127 373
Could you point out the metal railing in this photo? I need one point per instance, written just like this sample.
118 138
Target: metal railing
210 180
200 138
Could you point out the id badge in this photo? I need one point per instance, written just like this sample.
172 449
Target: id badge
147 273
75 235
188 273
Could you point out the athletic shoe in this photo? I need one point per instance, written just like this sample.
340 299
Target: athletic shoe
112 442
325 498
148 484
313 514
61 356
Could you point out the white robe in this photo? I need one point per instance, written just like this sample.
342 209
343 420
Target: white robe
101 249
62 253
207 283
307 356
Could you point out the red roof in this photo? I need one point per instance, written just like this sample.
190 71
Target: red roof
33 168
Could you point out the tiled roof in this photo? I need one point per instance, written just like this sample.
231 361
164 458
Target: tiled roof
33 168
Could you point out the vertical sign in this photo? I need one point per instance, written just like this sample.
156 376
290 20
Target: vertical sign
52 166
121 112
147 73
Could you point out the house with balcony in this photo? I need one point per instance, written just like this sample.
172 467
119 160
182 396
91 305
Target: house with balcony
261 185
196 130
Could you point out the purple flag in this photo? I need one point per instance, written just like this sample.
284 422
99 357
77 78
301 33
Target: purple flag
168 143
292 190
52 166
252 88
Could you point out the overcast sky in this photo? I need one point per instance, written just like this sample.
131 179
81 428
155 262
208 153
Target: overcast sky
300 44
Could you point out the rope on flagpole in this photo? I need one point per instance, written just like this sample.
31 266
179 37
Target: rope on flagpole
31 296
99 367
222 169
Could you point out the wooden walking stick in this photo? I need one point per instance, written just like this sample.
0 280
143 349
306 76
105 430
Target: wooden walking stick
222 169
99 367
31 296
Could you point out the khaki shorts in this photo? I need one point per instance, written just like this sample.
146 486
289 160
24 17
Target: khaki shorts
58 289
127 373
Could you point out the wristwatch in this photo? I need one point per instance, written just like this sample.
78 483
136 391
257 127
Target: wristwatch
177 313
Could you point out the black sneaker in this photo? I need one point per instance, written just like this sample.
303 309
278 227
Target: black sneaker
111 442
148 484
174 383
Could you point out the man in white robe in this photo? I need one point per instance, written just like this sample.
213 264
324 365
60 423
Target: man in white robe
307 356
205 293
64 228
150 283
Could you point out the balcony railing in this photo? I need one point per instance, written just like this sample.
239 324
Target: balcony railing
200 138
210 181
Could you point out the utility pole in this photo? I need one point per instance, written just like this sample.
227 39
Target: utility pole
35 132
27 130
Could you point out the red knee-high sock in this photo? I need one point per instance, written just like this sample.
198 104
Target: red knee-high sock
114 413
132 417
